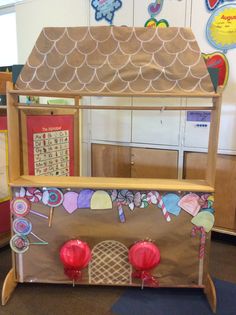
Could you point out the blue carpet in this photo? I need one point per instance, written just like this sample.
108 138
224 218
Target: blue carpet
176 301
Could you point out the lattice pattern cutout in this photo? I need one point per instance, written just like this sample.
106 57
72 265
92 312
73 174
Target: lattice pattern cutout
110 264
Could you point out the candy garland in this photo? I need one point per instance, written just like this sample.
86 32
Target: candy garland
202 231
155 198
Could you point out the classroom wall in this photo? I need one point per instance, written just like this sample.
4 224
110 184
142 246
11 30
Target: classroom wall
152 129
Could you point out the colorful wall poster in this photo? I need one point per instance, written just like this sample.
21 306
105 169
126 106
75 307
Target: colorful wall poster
218 60
221 28
105 9
213 4
50 145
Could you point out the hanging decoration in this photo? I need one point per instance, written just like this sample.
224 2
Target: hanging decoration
221 28
154 8
218 60
75 256
105 9
213 4
144 256
204 219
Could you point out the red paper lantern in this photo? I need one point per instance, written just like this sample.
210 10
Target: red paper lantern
144 256
75 256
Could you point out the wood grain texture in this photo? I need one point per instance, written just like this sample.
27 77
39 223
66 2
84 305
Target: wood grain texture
9 286
225 198
153 163
110 160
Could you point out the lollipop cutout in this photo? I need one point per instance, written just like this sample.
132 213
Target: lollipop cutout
75 256
20 207
20 243
23 227
144 256
52 197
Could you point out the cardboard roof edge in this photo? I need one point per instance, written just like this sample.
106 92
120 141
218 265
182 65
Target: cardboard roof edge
105 60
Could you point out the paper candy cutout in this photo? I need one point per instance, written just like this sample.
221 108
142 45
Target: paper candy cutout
84 198
171 203
105 9
70 202
21 193
100 200
221 28
33 194
213 4
190 203
155 7
154 23
218 60
52 197
204 219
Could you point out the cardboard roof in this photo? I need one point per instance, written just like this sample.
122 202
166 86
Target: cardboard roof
116 60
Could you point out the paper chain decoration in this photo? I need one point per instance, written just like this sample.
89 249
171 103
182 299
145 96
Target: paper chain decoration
105 9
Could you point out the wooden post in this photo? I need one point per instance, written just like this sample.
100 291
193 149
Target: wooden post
13 134
213 139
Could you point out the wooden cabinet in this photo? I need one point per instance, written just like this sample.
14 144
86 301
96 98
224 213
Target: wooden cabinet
121 161
225 197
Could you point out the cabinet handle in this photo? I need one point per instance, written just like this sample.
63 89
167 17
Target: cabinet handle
132 163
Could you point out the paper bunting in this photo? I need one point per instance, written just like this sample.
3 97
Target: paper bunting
105 9
190 203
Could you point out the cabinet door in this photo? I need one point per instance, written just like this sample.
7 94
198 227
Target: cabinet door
225 197
110 160
153 163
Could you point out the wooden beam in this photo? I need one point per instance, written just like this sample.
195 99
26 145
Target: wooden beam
13 134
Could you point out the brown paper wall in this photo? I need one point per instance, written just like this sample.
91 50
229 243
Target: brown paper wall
179 251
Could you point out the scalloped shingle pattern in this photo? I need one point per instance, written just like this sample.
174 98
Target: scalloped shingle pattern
105 59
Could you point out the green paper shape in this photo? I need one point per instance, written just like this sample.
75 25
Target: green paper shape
204 219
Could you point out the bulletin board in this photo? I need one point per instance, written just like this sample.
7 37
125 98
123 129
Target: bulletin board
50 142
4 189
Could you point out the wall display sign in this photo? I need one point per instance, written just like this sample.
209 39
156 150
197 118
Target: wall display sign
4 189
213 4
218 60
221 28
105 9
50 145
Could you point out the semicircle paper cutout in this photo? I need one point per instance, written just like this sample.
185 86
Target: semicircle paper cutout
205 219
221 28
100 200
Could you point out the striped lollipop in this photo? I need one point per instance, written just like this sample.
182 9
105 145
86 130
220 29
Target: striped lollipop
22 226
52 197
20 207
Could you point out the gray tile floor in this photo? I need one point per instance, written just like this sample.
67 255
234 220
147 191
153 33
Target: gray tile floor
35 299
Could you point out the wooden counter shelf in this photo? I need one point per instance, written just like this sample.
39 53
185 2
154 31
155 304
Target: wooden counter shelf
116 183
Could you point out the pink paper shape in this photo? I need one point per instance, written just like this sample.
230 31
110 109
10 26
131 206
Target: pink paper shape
190 203
70 201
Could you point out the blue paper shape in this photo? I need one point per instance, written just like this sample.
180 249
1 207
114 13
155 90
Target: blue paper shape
171 203
105 9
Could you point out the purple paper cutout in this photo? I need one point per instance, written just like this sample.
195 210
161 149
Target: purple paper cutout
84 198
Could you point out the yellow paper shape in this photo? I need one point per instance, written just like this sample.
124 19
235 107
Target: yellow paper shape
100 200
204 219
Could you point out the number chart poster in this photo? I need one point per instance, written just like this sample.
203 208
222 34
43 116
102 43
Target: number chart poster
50 145
4 189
